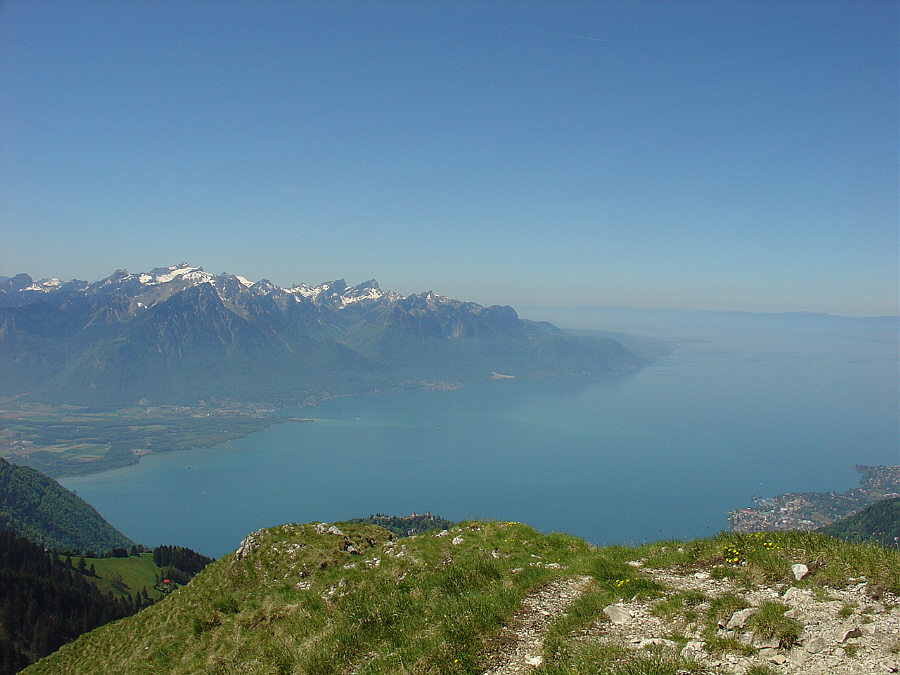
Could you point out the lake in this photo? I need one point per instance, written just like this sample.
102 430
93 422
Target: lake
745 405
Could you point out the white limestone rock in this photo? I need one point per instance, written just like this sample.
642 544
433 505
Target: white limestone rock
800 570
617 614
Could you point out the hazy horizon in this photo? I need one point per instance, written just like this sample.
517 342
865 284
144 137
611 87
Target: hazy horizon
533 312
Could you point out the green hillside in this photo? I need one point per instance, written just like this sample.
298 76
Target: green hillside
354 599
45 603
878 523
38 508
126 576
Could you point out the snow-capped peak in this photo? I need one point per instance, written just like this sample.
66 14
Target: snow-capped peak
366 291
162 275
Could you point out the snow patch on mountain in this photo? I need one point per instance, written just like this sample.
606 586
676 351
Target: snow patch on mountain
44 285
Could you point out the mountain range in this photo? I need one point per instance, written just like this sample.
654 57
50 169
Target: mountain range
179 334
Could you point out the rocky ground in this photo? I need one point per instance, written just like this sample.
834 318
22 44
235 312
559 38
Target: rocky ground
838 631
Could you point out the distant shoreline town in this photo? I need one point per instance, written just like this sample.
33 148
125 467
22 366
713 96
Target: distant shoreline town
812 510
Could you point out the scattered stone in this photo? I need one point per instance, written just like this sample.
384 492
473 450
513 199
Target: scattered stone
457 540
869 637
648 642
815 645
335 530
534 661
845 633
442 533
349 548
770 643
739 619
798 656
800 570
795 594
617 613
796 614
692 650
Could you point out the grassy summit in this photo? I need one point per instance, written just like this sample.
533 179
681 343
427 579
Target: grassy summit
355 599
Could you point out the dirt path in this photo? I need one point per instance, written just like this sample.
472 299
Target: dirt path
518 646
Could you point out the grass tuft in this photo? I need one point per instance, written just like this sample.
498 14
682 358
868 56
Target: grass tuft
770 622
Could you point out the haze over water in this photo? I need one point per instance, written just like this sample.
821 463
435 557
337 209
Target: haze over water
745 405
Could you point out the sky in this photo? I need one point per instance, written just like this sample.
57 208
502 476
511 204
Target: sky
713 155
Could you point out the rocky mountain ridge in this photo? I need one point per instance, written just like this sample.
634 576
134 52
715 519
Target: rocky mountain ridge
179 334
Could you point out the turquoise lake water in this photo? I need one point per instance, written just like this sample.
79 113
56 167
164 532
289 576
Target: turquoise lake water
745 405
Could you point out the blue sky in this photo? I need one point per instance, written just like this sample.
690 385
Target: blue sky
709 155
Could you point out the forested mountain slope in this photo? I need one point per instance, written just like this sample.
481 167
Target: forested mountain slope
38 508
